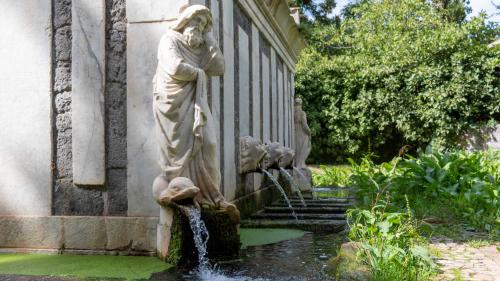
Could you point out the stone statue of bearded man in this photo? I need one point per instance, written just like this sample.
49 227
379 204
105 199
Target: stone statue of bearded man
187 55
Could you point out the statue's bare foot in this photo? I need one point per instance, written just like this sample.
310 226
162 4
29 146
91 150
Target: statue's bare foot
230 209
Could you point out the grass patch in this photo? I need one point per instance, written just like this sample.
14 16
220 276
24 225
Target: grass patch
263 236
333 193
81 266
331 175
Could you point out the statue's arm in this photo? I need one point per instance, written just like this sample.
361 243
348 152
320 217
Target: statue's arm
171 60
214 62
305 126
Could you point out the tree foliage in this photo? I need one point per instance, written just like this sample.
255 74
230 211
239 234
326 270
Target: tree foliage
397 72
315 11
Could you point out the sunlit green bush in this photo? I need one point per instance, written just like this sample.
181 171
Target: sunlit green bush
332 176
452 185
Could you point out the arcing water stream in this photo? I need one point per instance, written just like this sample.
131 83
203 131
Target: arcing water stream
292 182
283 193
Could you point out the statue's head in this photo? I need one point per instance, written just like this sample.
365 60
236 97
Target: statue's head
298 102
193 22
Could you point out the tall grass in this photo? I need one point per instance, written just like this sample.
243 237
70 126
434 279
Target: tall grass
332 175
390 243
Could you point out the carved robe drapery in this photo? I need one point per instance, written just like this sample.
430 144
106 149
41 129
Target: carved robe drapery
184 123
302 137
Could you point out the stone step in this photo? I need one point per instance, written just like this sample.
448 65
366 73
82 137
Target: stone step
330 226
298 204
329 200
298 210
303 216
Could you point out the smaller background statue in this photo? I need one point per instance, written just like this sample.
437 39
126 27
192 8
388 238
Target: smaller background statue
302 135
302 147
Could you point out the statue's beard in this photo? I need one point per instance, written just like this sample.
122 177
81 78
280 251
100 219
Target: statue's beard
193 37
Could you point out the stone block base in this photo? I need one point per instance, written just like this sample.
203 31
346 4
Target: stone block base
175 240
86 235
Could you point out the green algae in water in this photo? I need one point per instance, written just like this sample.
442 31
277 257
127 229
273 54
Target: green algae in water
80 266
263 236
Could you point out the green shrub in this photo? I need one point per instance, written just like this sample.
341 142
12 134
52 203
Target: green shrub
397 72
460 185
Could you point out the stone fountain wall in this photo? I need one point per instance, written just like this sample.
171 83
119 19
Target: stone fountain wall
78 153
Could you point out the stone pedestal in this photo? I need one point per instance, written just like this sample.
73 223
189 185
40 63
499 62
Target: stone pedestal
163 234
224 241
175 243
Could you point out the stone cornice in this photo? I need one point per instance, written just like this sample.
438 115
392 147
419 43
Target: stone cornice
273 19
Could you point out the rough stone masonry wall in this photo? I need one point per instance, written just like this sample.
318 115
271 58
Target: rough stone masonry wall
69 199
116 107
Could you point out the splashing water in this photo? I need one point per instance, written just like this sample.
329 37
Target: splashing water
205 271
282 191
292 182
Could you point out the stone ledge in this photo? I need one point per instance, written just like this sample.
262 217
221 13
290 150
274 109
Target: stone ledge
79 234
256 200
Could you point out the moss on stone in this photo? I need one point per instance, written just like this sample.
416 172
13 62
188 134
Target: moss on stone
175 246
224 241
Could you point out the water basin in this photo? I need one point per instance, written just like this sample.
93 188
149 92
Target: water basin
302 258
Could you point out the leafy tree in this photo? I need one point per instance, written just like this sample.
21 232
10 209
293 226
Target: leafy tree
397 72
453 10
314 14
315 11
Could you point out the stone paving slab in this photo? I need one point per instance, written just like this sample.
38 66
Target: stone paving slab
461 259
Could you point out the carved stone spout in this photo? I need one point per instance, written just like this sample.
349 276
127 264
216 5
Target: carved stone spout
286 158
278 156
180 191
252 152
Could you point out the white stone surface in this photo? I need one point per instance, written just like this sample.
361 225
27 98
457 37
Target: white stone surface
197 2
244 82
281 113
88 79
256 121
274 97
255 10
256 83
163 232
25 107
302 136
286 101
153 10
215 106
266 109
142 147
78 233
229 169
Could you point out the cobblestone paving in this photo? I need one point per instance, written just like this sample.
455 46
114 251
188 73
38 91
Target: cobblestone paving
460 261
